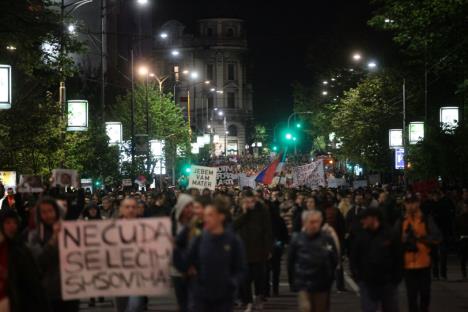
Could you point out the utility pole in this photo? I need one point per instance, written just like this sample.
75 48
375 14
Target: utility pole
103 57
405 149
132 114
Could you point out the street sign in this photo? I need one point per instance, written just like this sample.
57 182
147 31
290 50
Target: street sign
399 159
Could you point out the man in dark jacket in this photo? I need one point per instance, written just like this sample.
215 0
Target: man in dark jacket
312 261
216 260
254 228
377 263
20 281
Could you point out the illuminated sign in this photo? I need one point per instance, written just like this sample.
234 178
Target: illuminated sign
449 117
77 115
114 132
5 86
395 138
416 132
157 150
399 158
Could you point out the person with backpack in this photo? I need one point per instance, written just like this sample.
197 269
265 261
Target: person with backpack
419 235
215 260
312 260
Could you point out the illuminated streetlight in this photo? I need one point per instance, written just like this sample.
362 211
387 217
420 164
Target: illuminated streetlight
186 72
207 82
357 57
163 35
333 79
152 75
212 89
219 91
71 29
175 52
325 82
11 48
324 92
194 75
208 126
372 65
143 70
220 113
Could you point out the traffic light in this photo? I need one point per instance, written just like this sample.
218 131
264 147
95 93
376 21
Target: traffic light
298 125
274 148
187 169
294 139
97 183
288 136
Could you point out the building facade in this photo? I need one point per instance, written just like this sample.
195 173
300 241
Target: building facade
208 70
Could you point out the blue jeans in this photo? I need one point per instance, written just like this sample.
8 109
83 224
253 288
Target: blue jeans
129 304
379 297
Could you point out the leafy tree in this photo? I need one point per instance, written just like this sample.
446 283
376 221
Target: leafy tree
260 134
362 118
166 120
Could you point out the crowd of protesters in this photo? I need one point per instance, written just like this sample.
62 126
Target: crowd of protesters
229 244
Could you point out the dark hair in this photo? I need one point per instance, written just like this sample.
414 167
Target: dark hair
46 200
247 193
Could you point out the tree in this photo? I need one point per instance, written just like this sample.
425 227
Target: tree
362 118
166 120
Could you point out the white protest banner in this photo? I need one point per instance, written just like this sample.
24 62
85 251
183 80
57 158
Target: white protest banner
126 182
245 181
359 183
226 176
30 184
115 258
203 177
336 182
311 175
65 177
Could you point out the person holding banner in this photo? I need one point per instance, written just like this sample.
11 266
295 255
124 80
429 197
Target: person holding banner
43 241
129 210
216 260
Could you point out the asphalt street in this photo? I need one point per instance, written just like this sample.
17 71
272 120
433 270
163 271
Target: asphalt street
447 296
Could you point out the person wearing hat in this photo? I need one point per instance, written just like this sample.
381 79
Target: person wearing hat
20 282
419 234
376 263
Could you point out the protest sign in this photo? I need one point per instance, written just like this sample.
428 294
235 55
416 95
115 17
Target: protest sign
65 177
359 183
226 176
336 182
126 182
203 177
30 184
246 181
311 175
115 258
8 178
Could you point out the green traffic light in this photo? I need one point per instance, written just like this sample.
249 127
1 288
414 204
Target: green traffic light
275 148
188 170
298 125
294 139
289 136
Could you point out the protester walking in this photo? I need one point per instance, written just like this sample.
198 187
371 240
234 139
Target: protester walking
376 263
419 235
312 261
254 228
216 262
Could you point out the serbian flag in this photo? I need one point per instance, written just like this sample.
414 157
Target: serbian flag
266 175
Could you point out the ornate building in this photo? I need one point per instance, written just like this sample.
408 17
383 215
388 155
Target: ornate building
209 72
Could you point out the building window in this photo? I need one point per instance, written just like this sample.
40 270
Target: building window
231 72
210 72
210 102
230 32
209 32
232 129
231 100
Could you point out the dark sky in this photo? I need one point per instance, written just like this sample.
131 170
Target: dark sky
280 34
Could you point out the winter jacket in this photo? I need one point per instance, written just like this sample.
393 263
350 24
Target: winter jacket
254 228
376 257
220 264
418 234
312 261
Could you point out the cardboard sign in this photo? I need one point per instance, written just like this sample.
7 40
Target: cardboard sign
65 177
126 182
311 175
115 258
30 184
203 177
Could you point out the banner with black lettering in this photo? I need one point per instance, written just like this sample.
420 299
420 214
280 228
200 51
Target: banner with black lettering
112 258
203 177
227 175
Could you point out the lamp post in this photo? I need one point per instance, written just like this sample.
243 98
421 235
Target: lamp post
144 72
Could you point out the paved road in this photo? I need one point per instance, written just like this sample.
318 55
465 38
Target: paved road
448 296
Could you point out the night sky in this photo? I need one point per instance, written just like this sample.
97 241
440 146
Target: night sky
280 37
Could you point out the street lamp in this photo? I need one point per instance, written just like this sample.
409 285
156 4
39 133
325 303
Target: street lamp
324 93
325 82
144 72
163 35
175 53
372 65
194 75
142 2
71 29
357 57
